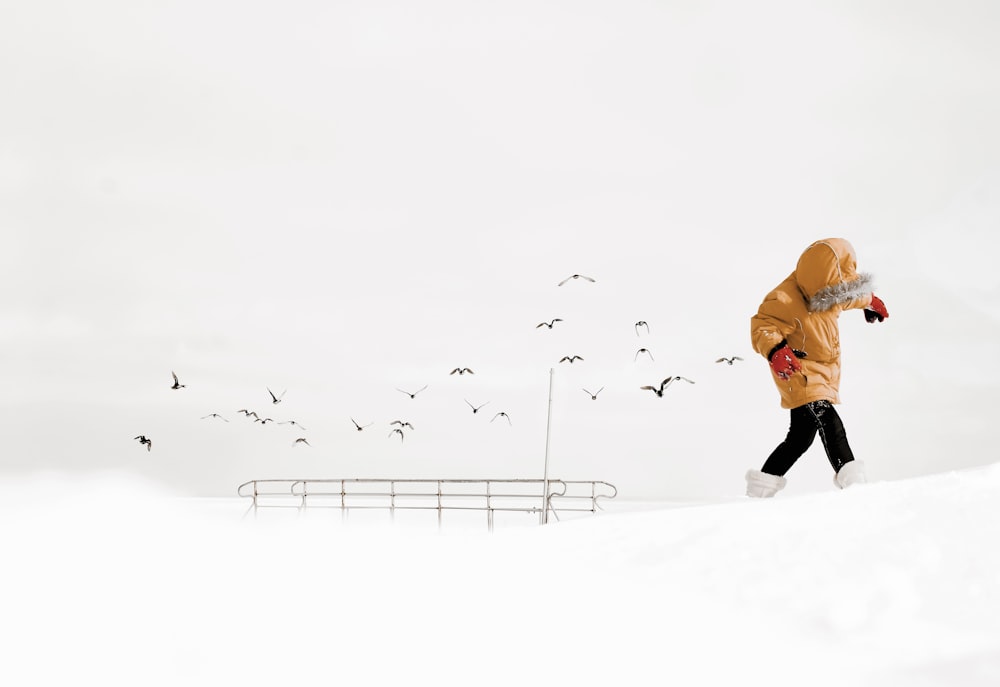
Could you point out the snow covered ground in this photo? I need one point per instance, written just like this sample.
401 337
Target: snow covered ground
110 581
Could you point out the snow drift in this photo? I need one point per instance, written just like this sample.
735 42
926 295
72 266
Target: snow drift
884 583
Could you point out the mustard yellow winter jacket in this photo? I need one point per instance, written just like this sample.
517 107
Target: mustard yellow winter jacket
803 310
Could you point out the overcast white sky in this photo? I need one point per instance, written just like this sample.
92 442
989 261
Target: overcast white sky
345 198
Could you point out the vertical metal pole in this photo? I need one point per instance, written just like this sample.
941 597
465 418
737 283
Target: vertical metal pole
545 470
439 503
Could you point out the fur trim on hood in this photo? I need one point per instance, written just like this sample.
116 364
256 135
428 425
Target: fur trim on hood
842 293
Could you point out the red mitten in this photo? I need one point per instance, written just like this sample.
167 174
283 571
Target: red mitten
783 361
876 311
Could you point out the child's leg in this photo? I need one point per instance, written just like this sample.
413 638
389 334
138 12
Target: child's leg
831 433
801 433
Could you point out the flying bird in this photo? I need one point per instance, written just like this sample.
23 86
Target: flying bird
729 361
248 413
360 427
593 394
570 358
413 394
475 409
276 399
665 384
502 414
292 422
143 440
462 371
177 384
643 350
641 323
301 440
263 421
576 276
548 324
401 423
215 415
397 431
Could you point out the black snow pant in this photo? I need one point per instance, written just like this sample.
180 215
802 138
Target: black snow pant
807 420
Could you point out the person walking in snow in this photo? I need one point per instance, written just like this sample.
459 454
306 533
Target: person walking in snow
795 328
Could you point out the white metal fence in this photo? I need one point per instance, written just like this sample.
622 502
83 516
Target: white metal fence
490 496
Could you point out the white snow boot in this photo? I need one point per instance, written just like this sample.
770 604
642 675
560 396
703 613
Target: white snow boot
852 473
762 485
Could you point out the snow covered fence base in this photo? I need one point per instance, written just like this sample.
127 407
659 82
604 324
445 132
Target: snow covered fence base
489 496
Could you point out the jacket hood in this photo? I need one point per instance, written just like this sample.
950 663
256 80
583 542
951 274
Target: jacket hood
827 274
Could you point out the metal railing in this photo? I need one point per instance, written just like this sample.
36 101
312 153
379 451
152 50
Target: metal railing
541 496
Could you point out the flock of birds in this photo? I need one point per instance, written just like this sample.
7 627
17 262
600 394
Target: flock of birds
275 399
398 426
